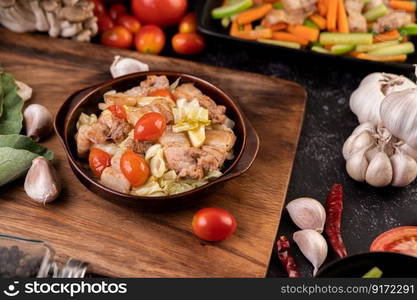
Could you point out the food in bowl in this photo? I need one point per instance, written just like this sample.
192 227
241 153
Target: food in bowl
156 139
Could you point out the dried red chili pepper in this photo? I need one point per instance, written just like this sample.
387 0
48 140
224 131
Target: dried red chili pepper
286 258
334 208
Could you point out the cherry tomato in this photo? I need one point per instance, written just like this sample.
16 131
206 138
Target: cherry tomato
118 111
188 43
116 10
150 127
135 168
118 37
162 93
104 23
188 24
99 8
213 224
150 39
159 12
129 22
99 160
400 239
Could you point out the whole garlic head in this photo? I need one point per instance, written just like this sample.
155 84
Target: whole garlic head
307 213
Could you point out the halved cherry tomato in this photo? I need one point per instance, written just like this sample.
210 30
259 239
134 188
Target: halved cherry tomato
129 22
150 39
400 239
118 37
188 24
104 23
213 224
118 111
99 8
150 127
135 168
162 93
188 43
99 160
116 10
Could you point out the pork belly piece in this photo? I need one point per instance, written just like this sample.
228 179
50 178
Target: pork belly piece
171 138
357 23
140 147
305 7
115 180
221 139
152 83
393 20
118 128
87 135
354 6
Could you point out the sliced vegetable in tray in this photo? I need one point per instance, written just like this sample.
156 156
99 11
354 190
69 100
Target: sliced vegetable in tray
357 28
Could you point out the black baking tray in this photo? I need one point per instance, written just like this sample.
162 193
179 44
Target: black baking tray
210 26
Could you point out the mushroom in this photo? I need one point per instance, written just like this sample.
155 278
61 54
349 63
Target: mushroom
77 13
50 7
15 17
72 30
41 23
83 36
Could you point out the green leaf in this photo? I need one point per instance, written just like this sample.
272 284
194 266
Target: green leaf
12 117
14 163
18 141
1 98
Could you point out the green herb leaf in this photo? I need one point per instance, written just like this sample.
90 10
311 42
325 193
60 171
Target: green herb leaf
12 117
1 98
23 142
14 163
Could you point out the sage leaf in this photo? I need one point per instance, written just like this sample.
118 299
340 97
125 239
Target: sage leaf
14 163
18 141
12 117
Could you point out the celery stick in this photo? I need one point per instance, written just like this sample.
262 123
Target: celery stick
342 49
278 5
376 12
310 24
281 43
330 38
366 48
228 10
225 22
320 50
405 48
410 29
375 272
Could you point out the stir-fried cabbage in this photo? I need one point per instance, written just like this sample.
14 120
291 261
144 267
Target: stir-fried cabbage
86 120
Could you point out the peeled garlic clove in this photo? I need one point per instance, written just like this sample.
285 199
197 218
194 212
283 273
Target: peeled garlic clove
313 246
42 183
357 165
124 65
38 121
24 91
379 172
307 213
404 169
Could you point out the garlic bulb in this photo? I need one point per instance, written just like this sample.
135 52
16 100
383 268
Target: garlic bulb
38 121
366 100
42 183
307 213
124 65
404 169
24 91
313 246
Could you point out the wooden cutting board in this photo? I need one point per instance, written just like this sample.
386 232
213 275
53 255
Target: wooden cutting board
122 242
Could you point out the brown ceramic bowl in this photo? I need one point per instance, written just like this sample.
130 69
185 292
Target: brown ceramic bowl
246 147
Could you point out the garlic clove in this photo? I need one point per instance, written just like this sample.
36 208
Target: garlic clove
347 147
362 141
42 183
364 130
371 152
405 148
367 126
379 172
404 169
357 165
313 246
24 91
38 121
307 213
124 65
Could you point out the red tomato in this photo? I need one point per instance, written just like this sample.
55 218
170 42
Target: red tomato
150 127
150 39
213 224
129 22
188 43
162 93
99 160
400 239
99 8
116 10
159 12
134 167
118 37
118 111
188 24
104 23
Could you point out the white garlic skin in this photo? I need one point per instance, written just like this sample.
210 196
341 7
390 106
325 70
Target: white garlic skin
38 121
313 246
348 146
24 91
404 169
42 183
379 172
357 165
307 213
124 65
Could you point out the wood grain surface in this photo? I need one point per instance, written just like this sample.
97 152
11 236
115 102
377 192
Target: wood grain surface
123 242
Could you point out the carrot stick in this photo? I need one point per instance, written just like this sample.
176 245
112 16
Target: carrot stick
394 58
264 33
288 37
342 20
391 35
409 6
322 7
253 14
278 26
332 15
247 27
234 28
319 21
304 32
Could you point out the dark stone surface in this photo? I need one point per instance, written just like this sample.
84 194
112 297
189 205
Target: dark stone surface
319 162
